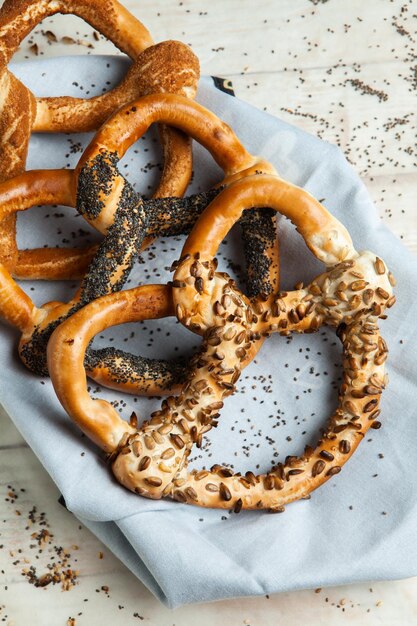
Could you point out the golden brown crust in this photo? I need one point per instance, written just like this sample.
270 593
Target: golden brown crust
25 191
17 111
182 72
327 238
54 263
16 307
132 121
36 187
19 17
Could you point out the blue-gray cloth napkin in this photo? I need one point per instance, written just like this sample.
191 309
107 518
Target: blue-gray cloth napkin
362 525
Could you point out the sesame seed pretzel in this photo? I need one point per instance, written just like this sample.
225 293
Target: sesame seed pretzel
111 205
350 295
168 66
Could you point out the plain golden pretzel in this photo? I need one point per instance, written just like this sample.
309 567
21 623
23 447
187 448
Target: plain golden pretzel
165 67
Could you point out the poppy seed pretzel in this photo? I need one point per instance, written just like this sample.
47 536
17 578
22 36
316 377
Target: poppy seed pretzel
350 295
169 66
103 192
130 224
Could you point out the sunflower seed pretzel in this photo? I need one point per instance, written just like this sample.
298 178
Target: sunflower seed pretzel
350 295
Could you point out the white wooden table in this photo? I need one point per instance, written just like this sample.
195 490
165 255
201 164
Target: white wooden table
345 71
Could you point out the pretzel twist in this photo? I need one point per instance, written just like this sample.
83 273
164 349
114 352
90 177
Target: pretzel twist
111 205
168 66
351 295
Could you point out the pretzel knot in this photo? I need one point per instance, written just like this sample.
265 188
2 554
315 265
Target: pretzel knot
350 295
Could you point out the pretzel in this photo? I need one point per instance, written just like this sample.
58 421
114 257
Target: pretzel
350 295
168 66
111 205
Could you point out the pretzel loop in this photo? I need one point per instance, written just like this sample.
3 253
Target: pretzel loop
19 17
67 351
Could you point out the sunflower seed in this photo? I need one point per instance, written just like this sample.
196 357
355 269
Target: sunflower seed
238 506
168 453
177 440
137 448
165 468
191 493
327 456
379 266
144 463
333 470
358 285
225 492
317 468
229 334
149 442
200 475
212 487
371 390
344 446
370 406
